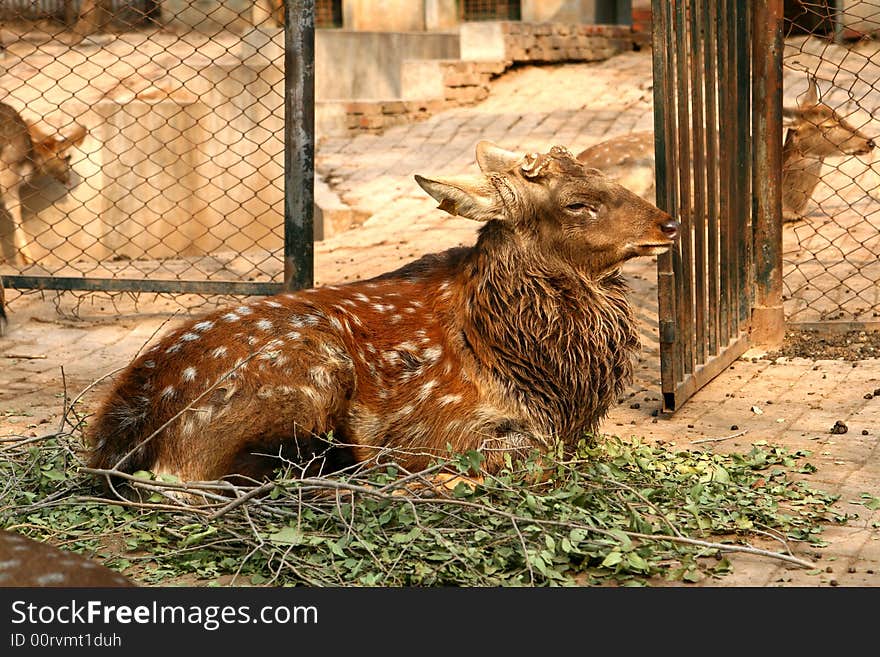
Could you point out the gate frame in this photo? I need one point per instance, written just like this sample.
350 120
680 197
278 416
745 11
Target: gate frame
299 187
708 320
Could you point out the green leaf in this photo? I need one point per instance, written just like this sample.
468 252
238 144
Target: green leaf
612 559
286 536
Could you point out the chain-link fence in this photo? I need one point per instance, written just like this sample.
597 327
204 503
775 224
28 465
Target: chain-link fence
830 186
144 141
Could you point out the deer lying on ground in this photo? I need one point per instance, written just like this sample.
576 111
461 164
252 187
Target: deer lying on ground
522 340
26 562
815 131
25 153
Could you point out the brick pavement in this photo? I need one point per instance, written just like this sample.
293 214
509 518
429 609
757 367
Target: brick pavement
529 108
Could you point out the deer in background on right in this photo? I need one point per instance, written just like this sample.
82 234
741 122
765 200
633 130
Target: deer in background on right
815 131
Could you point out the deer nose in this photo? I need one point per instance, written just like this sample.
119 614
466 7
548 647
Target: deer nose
670 228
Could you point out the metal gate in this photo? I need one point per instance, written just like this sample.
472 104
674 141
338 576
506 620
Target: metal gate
186 92
717 113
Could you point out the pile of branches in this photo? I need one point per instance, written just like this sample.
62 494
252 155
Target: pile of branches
617 511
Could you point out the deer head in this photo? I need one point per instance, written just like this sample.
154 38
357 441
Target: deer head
817 130
559 210
52 153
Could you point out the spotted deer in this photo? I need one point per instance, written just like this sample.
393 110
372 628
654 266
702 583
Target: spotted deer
29 563
512 344
815 131
26 153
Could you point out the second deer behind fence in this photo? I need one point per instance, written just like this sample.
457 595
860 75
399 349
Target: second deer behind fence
815 131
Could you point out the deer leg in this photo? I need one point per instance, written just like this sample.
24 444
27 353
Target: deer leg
253 427
10 223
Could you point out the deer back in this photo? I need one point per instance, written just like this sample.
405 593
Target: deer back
30 563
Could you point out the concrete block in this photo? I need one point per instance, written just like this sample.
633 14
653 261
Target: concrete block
421 79
482 41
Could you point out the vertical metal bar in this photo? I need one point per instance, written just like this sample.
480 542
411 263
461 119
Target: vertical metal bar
664 150
724 123
768 318
837 17
698 148
683 259
710 40
743 215
299 143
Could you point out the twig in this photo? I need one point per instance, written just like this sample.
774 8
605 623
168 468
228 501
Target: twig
26 356
718 440
241 500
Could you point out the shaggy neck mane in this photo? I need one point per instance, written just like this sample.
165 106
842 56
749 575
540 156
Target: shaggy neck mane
561 341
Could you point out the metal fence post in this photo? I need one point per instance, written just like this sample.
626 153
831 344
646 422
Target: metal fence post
299 143
768 319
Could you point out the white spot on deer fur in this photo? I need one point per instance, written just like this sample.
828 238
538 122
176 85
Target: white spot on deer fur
189 337
405 410
219 352
189 374
312 394
449 399
334 321
173 348
299 321
382 308
50 578
293 335
168 392
409 310
362 297
244 310
391 357
231 317
395 319
371 348
426 388
264 325
203 326
252 340
432 354
416 304
273 304
348 302
320 375
149 364
406 346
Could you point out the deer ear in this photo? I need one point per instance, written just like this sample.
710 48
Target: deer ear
492 158
812 96
473 197
74 139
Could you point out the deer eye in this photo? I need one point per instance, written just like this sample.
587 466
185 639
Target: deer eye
580 207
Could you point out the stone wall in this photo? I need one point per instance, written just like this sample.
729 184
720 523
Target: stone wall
488 49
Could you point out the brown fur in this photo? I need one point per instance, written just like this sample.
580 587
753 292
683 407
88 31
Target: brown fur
815 131
25 153
26 562
522 339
